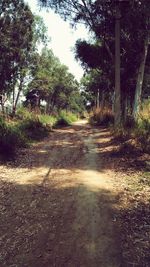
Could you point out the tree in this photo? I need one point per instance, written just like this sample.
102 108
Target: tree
20 32
16 22
39 36
98 16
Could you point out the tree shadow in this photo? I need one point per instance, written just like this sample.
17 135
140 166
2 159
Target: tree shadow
40 227
135 233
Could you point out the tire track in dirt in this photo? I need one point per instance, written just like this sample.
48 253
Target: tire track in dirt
98 243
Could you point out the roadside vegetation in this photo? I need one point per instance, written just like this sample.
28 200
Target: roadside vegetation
37 91
27 127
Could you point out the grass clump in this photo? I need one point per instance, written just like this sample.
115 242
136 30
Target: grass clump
47 120
65 119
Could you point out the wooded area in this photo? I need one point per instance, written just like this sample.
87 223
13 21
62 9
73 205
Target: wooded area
90 177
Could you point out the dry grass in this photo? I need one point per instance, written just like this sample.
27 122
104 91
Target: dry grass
102 116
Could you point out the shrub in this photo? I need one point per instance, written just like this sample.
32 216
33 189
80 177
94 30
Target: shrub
65 119
34 129
103 117
23 113
11 138
47 120
142 129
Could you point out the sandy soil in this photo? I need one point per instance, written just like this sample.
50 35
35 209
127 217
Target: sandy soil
58 203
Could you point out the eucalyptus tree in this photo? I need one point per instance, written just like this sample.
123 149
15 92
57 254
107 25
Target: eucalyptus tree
20 31
98 16
16 21
39 36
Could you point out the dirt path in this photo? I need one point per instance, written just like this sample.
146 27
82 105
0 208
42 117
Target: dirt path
57 208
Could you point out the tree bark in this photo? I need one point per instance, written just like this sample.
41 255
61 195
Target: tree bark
117 104
139 83
15 101
98 100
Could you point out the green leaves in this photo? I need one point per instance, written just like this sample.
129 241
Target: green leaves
53 83
15 39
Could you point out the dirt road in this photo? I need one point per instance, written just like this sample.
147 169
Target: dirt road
58 203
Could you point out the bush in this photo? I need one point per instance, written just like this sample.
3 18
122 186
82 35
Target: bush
47 120
102 117
11 138
33 128
142 129
23 113
65 119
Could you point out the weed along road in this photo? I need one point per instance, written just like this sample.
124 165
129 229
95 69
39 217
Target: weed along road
60 202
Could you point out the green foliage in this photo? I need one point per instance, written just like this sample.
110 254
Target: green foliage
65 119
11 138
102 117
16 35
142 130
99 52
138 132
23 113
33 128
48 120
52 82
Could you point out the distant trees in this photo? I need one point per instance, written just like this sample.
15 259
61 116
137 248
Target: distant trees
52 82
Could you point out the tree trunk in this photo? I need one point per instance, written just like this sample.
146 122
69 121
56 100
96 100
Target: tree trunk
117 104
15 101
2 102
3 108
102 100
98 100
139 84
13 104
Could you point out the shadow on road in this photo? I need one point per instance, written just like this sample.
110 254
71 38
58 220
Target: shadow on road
37 226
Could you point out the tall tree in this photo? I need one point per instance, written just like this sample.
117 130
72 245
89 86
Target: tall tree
98 16
16 37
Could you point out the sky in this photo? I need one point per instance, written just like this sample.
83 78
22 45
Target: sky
63 37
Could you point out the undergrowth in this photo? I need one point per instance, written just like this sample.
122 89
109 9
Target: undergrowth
65 119
27 127
11 138
101 117
135 133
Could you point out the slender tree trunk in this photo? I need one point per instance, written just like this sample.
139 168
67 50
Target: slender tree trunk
98 100
17 97
117 104
139 84
3 100
103 100
2 105
13 100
